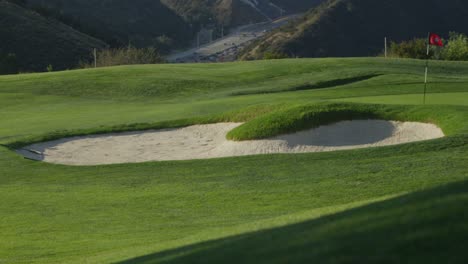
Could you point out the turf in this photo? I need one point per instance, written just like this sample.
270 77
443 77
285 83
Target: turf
337 207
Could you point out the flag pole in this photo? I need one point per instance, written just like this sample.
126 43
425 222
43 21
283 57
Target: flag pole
427 67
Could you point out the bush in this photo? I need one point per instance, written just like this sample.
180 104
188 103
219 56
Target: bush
274 55
456 48
415 49
125 56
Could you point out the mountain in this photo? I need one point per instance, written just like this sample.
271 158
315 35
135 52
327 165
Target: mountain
38 41
358 27
226 12
140 22
295 6
236 12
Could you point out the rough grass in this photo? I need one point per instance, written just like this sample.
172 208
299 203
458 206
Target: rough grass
282 208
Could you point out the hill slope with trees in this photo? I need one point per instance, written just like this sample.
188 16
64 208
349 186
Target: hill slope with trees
358 27
226 12
31 42
236 12
139 23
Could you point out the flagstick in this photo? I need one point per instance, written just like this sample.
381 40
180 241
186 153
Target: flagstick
427 66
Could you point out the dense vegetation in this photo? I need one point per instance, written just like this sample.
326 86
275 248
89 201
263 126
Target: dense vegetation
456 48
358 27
138 23
62 34
8 63
124 56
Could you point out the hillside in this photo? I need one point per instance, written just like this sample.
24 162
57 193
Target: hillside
358 27
236 12
226 12
38 42
125 21
296 5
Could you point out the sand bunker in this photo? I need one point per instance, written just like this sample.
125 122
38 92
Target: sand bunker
209 141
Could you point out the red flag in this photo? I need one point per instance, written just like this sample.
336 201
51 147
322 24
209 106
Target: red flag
435 40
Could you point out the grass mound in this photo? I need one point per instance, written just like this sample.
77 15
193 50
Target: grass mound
297 118
313 86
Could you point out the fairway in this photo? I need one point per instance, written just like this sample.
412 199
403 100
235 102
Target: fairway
374 205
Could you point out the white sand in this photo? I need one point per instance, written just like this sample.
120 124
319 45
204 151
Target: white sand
209 141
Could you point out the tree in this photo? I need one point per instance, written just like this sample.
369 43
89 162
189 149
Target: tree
163 43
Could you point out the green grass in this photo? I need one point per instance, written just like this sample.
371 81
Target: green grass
304 117
339 238
337 207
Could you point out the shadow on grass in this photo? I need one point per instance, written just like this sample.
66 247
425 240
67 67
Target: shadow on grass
344 133
424 227
312 86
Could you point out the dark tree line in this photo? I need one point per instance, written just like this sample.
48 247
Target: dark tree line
8 63
19 2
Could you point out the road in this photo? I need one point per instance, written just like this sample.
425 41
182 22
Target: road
226 49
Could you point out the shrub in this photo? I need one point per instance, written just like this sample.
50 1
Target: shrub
456 48
275 55
125 56
415 49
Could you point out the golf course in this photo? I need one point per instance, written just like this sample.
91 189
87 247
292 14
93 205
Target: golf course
395 203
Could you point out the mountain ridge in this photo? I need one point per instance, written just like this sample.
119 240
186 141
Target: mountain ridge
39 42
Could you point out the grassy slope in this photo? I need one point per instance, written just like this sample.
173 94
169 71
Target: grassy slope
38 41
341 238
53 213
